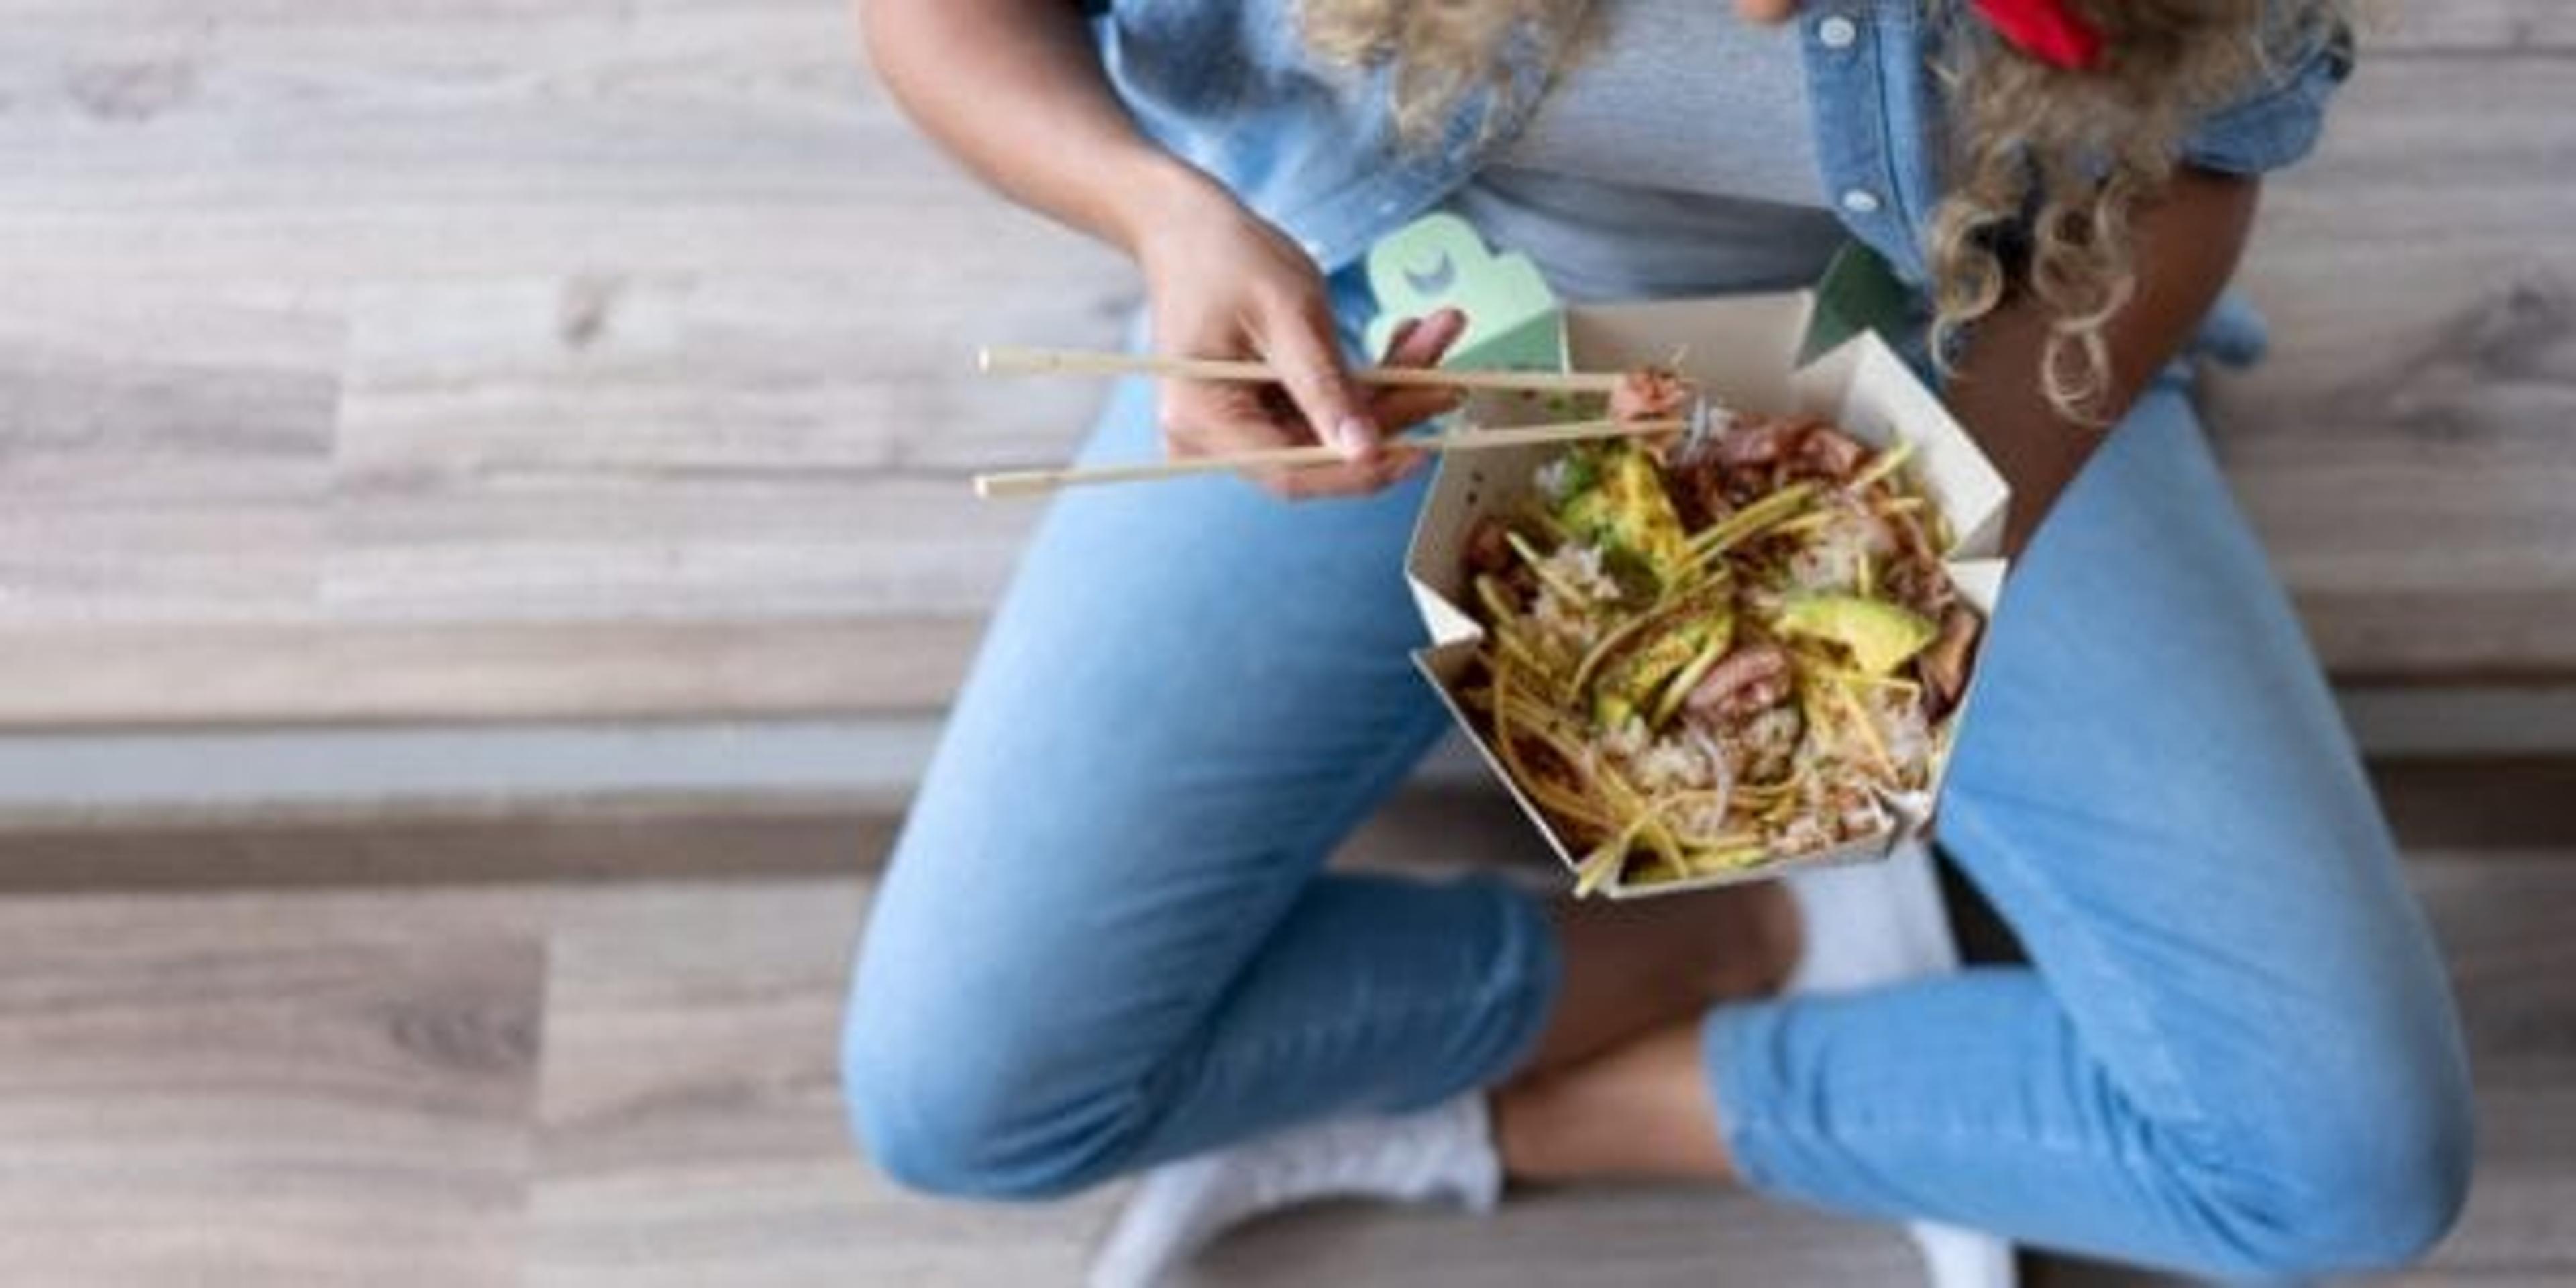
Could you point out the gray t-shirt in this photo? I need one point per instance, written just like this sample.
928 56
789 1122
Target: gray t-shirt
1673 158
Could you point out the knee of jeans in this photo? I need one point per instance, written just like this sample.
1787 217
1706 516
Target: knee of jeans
2370 1184
954 1110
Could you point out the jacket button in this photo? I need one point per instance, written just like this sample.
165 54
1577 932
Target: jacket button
1860 201
1837 32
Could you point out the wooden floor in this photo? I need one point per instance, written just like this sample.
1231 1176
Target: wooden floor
582 358
630 1082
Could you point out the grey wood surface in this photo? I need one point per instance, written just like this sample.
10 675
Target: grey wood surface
2406 451
572 1082
2437 809
259 1089
397 359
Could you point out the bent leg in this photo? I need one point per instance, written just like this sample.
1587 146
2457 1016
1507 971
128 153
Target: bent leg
1104 940
2237 1051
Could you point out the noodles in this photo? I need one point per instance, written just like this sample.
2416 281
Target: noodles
1706 659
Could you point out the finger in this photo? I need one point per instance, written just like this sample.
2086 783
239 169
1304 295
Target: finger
1201 419
1325 481
1766 11
1401 464
1307 482
1299 342
1395 341
1350 478
1218 426
1399 409
1427 340
1419 344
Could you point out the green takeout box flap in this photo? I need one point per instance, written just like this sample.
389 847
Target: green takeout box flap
1858 292
1439 261
1514 322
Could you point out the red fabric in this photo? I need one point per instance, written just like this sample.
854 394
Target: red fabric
2046 30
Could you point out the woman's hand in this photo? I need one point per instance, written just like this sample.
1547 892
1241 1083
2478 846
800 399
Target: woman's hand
1224 284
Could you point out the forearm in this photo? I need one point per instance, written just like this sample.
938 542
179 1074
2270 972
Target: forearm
2187 248
1014 89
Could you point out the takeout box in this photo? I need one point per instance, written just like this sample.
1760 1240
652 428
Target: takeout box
1743 352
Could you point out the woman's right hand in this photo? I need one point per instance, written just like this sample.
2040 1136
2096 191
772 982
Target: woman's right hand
1223 283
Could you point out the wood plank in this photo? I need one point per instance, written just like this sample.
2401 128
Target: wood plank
691 1124
2470 27
150 676
165 451
572 844
2438 809
246 1090
2454 806
725 448
2502 920
2402 451
381 141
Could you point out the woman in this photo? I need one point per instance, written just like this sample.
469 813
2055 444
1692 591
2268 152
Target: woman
1105 941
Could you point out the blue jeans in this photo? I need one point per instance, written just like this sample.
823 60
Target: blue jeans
1106 940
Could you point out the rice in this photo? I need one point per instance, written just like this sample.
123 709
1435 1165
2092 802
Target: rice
1908 735
1671 764
1832 558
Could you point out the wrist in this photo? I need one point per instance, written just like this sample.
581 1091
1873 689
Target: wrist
1155 192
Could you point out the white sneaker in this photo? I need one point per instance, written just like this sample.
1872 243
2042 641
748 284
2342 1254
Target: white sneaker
1870 924
1444 1153
1874 924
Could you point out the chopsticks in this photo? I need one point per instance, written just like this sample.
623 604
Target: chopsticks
1005 360
1012 483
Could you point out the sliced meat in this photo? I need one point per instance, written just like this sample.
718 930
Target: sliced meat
1830 453
1650 393
1752 442
1944 665
1743 682
1698 487
1911 540
1487 549
1918 584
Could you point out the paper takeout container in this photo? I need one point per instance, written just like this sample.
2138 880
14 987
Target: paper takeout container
1743 352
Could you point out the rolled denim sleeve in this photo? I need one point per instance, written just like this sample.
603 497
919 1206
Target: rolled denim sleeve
2277 122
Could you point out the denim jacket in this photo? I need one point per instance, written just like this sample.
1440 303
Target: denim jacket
1231 88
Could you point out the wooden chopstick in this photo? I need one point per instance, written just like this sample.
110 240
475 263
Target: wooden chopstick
1005 360
1011 483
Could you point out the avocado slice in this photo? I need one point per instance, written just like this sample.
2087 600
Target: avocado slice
1623 505
1879 635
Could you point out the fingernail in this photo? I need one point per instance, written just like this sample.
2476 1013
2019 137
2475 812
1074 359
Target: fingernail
1355 436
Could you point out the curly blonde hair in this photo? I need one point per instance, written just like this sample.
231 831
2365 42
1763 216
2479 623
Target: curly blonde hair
2047 167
